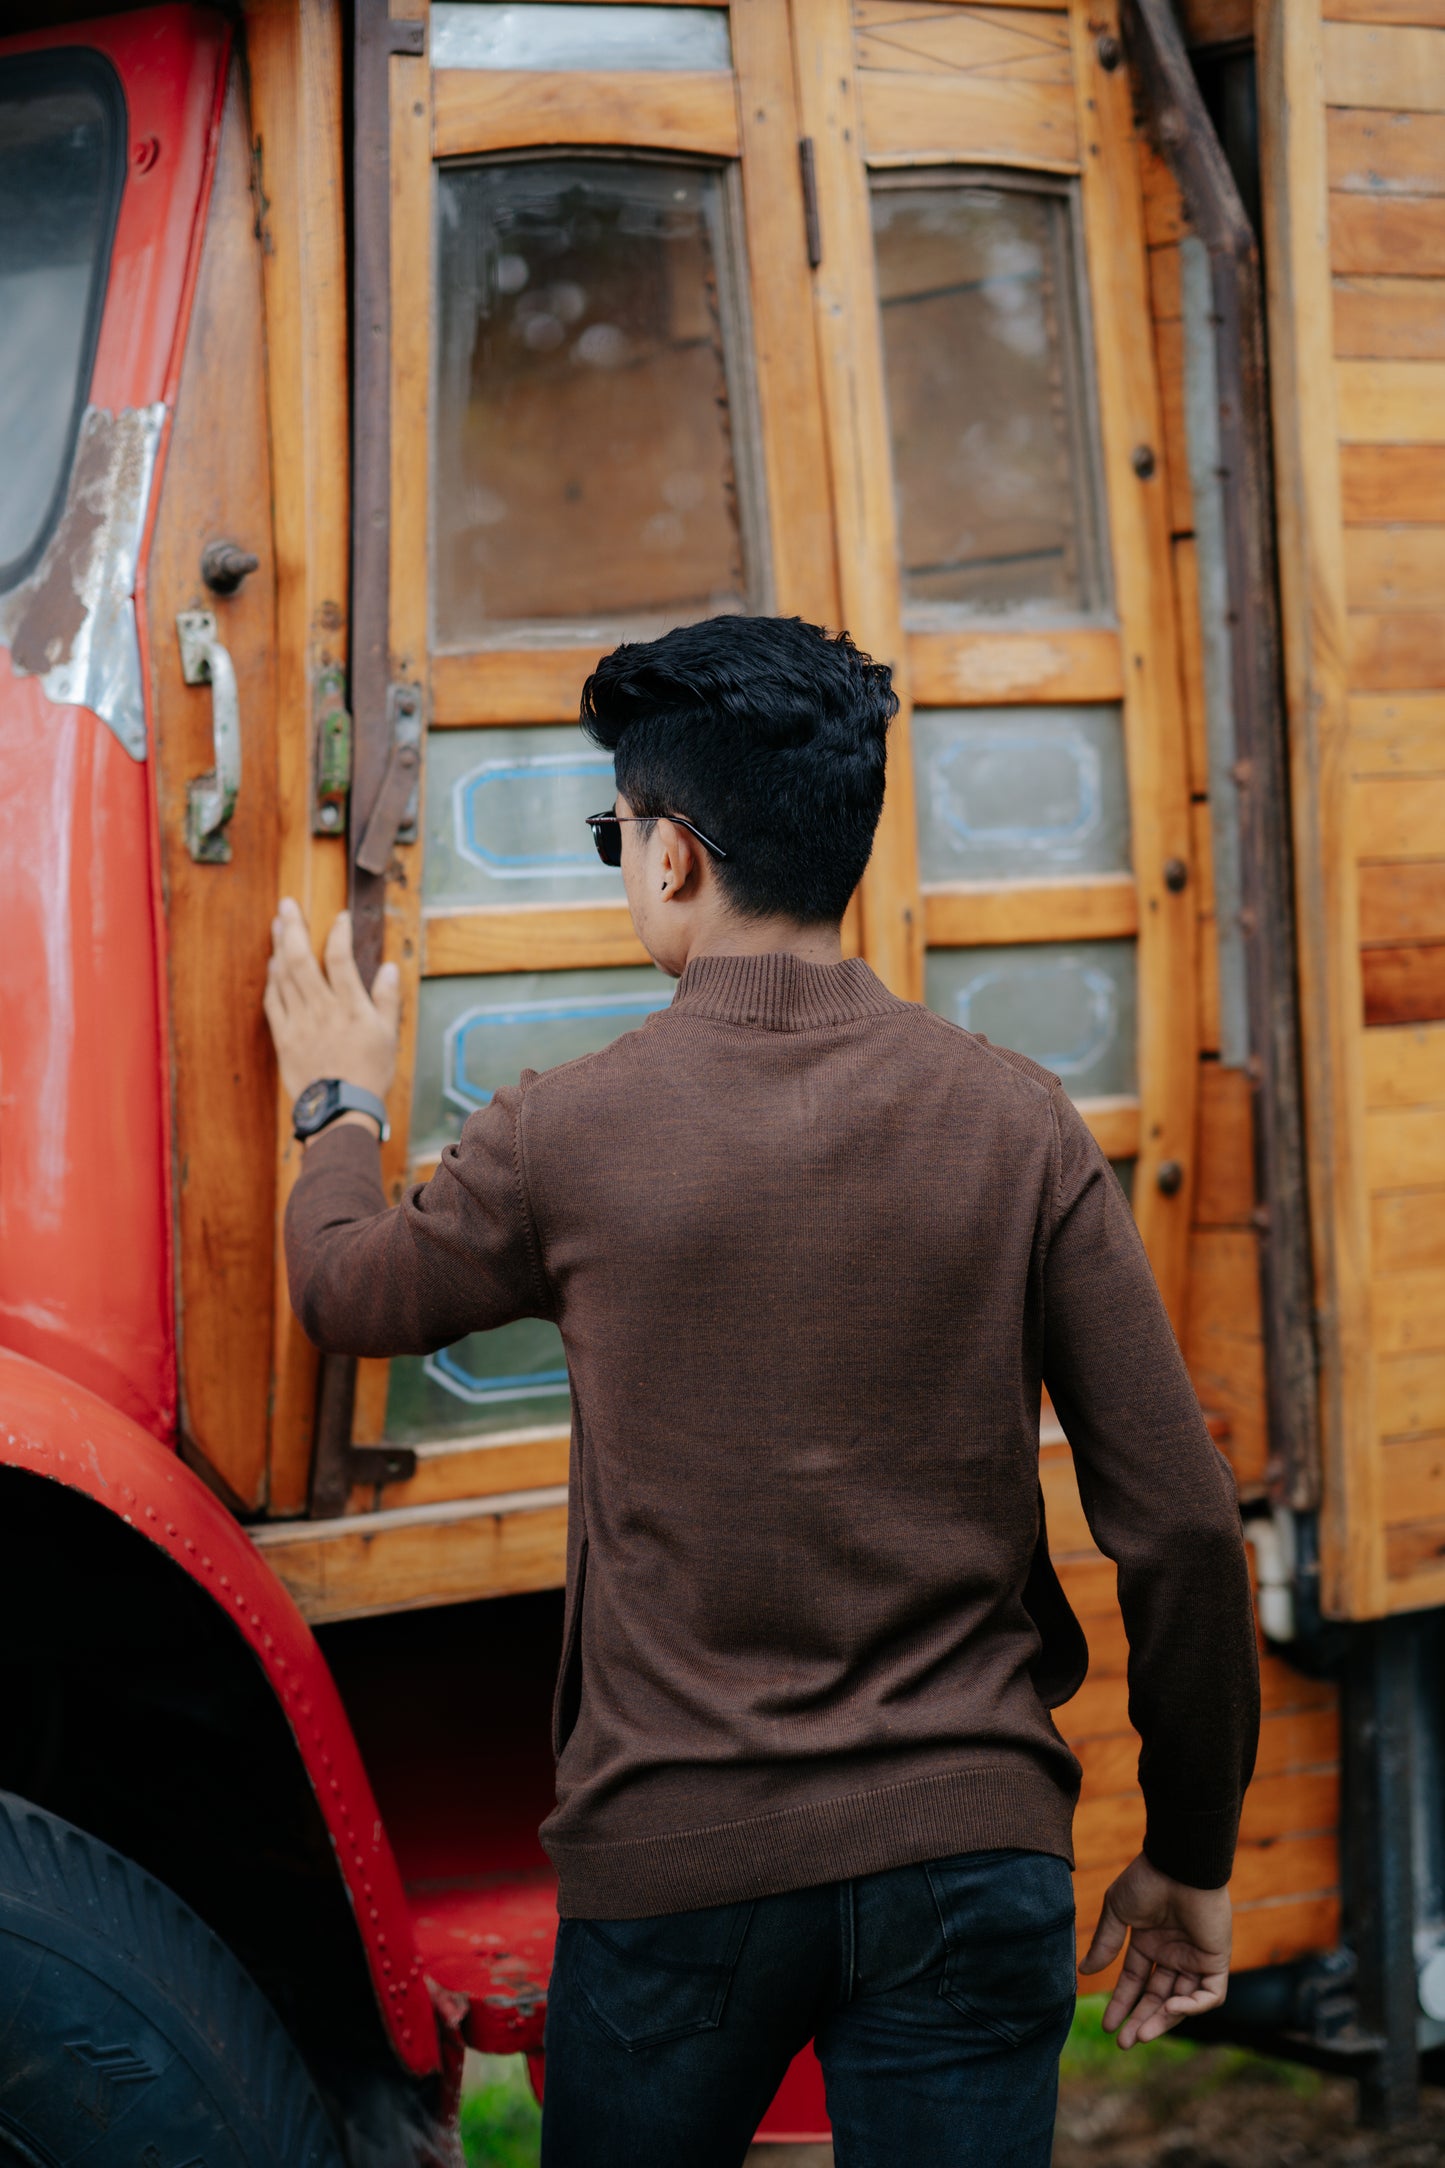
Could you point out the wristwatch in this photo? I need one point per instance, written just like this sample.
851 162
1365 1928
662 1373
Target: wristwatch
322 1101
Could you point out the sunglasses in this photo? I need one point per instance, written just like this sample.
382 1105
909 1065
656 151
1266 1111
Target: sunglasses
607 833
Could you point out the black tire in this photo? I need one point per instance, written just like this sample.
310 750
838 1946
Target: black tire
129 2035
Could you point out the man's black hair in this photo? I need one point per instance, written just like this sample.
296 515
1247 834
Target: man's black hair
770 736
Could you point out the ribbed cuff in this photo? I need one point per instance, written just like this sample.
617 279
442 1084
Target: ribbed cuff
1193 1845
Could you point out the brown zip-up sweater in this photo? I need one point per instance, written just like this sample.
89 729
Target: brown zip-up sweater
813 1252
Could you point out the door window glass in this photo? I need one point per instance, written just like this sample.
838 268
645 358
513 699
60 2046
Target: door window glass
1069 1005
476 1034
513 34
62 152
506 814
1020 793
590 373
988 409
512 1379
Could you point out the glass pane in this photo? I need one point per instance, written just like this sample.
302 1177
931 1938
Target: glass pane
61 128
991 435
511 1379
1067 1004
1018 792
520 36
584 457
506 813
476 1034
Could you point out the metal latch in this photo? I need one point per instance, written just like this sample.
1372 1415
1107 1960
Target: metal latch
333 753
398 803
211 798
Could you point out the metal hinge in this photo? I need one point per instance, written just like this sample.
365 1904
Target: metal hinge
332 776
398 802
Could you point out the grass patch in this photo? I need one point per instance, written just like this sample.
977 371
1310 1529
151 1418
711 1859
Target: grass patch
501 2122
1171 2069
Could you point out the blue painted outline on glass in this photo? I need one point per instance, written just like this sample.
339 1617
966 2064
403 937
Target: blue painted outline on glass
582 862
1090 771
461 1094
1104 1005
443 1369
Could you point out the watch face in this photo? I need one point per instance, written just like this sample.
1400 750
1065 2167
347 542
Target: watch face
313 1103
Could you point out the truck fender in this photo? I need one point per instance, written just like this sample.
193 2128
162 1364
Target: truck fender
59 1431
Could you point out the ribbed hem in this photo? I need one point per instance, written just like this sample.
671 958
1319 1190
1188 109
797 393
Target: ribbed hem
1004 1807
1193 1845
780 992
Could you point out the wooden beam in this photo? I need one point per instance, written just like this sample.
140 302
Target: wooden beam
1391 69
1404 985
528 937
1305 394
850 353
980 914
1405 1068
1391 402
1396 652
1392 483
920 120
1402 903
1155 729
511 685
293 58
493 109
479 1468
1405 1147
987 669
1391 319
1397 733
416 1556
1115 1124
1396 154
1395 568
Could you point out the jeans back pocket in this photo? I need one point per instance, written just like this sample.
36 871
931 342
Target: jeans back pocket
648 1981
1010 1962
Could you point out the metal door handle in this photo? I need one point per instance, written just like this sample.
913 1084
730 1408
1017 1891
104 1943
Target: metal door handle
211 799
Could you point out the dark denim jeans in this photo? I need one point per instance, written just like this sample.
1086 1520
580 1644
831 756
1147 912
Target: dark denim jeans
939 1997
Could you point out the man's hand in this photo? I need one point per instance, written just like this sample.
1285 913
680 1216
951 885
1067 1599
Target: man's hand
328 1025
1178 1961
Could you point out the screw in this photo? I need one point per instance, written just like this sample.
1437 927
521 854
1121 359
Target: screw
329 816
1176 875
1142 461
1170 1178
1110 52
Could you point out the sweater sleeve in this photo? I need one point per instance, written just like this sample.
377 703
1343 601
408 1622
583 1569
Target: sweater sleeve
457 1255
1160 1501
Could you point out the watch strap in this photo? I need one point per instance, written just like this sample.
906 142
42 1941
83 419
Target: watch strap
351 1099
327 1098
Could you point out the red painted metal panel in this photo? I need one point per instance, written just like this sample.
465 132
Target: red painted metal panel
57 1430
85 1245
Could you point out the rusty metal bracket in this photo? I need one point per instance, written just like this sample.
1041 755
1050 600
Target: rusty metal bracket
398 802
337 1464
1247 683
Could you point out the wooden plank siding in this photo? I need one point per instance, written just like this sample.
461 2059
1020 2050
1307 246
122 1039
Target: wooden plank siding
1355 103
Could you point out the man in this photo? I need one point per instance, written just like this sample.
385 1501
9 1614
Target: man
812 1251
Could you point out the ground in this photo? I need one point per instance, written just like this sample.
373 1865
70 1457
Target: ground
1169 2106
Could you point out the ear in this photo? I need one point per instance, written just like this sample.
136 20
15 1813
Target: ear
678 861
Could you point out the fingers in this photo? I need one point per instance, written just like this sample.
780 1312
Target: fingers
1130 1985
291 947
386 993
1108 1937
341 962
273 1001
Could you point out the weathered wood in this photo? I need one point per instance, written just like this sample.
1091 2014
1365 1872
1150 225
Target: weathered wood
1399 816
1165 300
1169 347
966 669
1154 723
1405 1068
1386 11
1402 903
1217 22
1404 985
846 326
1397 733
1225 1195
1394 69
1409 1316
215 487
1416 1555
1116 1125
294 66
406 1560
1379 236
1206 929
528 937
1392 402
1395 568
1396 653
493 109
479 1468
1002 43
1386 154
1400 319
1407 1230
1224 1342
1405 1147
794 446
976 914
1412 1393
511 685
1164 219
979 119
1392 483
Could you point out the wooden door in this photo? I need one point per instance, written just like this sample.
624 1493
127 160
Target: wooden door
623 397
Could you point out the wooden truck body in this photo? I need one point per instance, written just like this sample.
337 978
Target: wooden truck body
368 374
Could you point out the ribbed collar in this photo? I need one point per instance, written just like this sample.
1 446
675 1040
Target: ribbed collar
780 992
